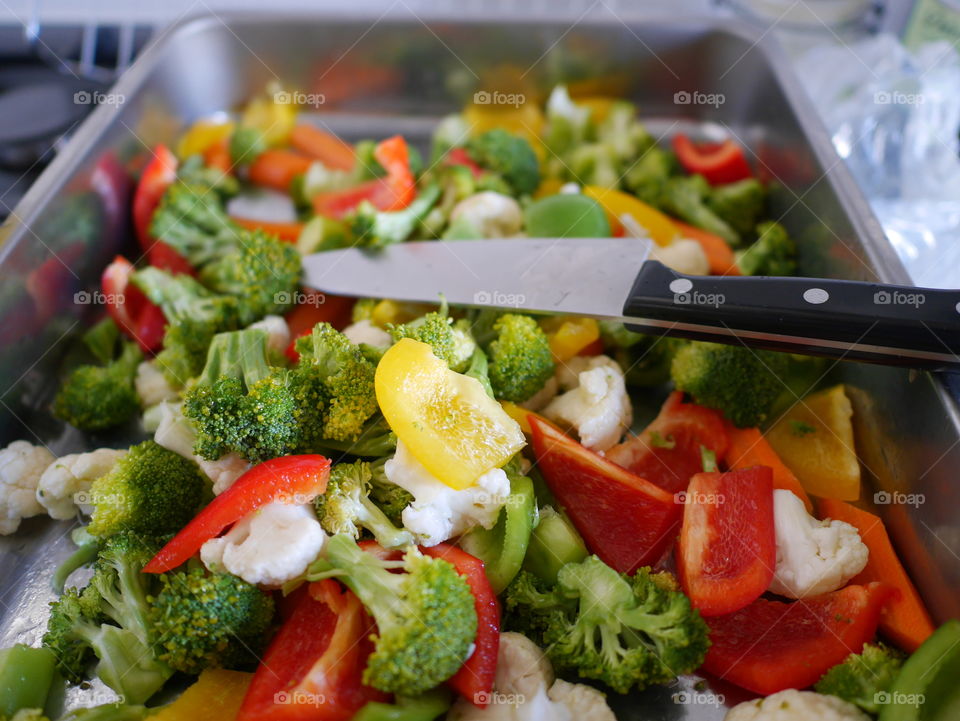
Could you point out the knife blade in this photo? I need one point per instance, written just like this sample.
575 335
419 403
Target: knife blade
583 276
613 278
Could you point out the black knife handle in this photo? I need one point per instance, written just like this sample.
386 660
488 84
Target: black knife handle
894 325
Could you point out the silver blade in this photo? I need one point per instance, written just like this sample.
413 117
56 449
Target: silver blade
582 276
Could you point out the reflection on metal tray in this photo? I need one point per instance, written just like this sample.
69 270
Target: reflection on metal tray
399 74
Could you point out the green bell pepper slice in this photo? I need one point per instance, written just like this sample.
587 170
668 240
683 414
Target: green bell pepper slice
927 688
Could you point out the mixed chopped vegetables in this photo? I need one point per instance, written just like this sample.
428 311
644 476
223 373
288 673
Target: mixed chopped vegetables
377 510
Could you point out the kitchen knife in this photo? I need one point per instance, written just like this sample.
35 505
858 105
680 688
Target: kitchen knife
613 278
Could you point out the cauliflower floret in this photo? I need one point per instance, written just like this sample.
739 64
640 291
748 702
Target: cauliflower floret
364 331
542 397
584 702
269 547
64 483
813 557
682 255
439 512
522 666
21 465
278 332
175 433
524 675
568 372
793 705
152 386
490 214
598 407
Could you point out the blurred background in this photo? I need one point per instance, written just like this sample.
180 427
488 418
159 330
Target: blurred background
884 75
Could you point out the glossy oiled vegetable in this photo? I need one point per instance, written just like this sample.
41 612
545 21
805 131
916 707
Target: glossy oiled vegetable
446 420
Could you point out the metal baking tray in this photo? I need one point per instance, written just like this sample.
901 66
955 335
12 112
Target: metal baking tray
370 76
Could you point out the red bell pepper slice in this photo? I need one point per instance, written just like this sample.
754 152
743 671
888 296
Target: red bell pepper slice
159 174
770 646
290 479
393 192
315 307
460 156
131 310
474 680
727 550
717 162
626 520
668 451
313 667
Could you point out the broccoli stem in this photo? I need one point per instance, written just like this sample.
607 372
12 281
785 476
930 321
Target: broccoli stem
376 521
239 354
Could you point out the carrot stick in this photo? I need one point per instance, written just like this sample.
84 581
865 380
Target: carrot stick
905 619
322 146
285 231
748 448
719 255
277 168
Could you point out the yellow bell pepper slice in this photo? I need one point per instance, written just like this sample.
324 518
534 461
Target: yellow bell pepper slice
386 312
520 415
445 419
216 694
570 336
662 230
274 120
815 440
599 106
202 134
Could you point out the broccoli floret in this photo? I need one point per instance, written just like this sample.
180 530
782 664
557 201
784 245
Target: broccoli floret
240 403
568 124
108 619
623 133
102 339
509 156
739 205
375 441
94 398
864 677
774 252
261 271
645 359
389 497
686 198
334 385
426 620
451 342
374 228
520 358
594 164
192 220
624 631
647 176
194 315
208 620
196 173
742 383
346 507
149 490
245 145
